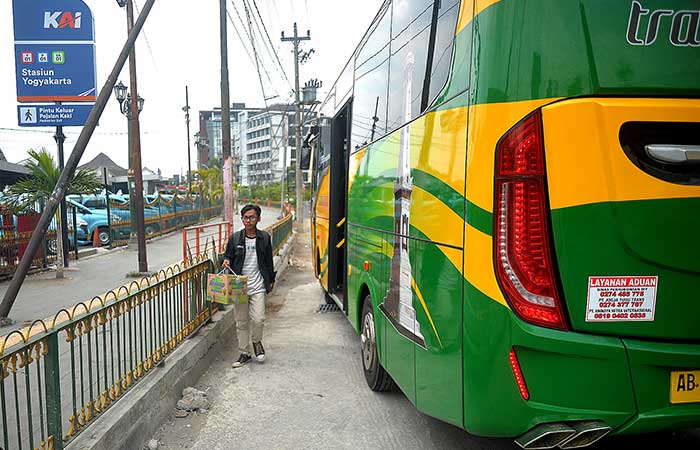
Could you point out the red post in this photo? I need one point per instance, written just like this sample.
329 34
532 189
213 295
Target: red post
196 237
184 244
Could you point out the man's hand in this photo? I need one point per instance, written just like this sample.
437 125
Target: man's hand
226 264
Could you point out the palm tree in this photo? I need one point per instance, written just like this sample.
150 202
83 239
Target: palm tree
212 181
40 183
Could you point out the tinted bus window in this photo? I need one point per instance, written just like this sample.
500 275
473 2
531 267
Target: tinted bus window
444 40
371 78
409 52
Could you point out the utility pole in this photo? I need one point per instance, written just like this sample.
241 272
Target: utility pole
136 149
68 172
186 108
285 141
225 117
297 173
62 226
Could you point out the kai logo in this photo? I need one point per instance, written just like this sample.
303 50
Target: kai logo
62 19
685 25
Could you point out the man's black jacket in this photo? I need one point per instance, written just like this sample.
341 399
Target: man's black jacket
235 252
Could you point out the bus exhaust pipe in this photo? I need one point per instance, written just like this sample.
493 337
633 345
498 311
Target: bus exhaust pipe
587 433
546 435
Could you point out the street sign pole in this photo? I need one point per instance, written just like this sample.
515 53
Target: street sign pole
78 150
60 138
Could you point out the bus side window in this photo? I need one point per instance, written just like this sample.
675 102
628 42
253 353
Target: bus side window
371 78
410 39
448 13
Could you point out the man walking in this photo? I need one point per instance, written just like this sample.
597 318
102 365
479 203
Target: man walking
249 252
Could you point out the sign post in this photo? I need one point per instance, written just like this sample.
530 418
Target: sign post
54 62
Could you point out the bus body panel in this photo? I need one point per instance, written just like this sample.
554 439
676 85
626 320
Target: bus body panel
319 230
511 78
428 372
512 58
613 220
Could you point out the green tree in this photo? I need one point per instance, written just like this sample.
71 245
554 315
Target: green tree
212 180
39 185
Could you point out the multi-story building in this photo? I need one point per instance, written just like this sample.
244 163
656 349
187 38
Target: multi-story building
260 140
210 133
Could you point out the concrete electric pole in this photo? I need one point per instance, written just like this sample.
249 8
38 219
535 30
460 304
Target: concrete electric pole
136 152
299 198
225 118
186 108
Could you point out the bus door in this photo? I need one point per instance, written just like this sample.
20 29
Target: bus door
338 205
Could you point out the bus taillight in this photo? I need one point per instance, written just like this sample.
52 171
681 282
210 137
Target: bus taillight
522 250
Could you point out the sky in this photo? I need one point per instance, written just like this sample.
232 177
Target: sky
180 46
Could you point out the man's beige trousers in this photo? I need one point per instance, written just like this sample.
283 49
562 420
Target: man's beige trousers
250 318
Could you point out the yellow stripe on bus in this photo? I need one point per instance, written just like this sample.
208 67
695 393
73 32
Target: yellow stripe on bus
471 8
478 263
435 219
425 308
487 124
586 163
439 145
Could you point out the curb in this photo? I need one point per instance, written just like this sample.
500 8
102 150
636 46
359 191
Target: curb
141 411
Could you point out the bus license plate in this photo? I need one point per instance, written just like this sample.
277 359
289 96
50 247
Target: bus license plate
685 386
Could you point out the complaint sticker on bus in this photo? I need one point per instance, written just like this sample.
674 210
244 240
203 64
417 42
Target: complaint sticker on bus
615 299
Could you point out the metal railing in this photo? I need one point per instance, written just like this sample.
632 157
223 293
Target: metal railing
161 216
280 232
199 241
59 374
202 239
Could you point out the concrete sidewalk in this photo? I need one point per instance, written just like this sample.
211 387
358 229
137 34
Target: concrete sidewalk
42 295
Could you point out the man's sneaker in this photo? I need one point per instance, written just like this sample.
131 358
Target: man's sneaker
242 360
259 351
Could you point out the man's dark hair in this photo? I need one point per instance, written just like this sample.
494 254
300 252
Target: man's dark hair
247 208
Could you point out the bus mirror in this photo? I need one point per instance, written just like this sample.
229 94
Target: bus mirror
306 147
305 157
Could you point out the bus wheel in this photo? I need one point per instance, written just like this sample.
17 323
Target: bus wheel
377 378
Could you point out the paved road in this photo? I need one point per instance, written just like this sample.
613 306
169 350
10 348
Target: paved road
42 294
311 392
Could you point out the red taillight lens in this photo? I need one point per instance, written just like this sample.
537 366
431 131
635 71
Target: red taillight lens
522 254
518 374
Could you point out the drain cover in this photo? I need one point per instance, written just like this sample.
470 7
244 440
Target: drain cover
324 308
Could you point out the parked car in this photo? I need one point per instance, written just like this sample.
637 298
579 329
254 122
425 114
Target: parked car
97 222
98 203
81 233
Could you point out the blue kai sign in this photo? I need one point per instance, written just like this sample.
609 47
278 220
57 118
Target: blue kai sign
53 115
54 51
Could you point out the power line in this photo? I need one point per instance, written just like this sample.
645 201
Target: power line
258 37
240 38
148 45
250 37
271 44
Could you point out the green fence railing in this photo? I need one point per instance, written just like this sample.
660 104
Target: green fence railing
58 375
280 231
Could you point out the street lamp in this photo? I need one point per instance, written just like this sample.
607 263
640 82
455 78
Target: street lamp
202 144
130 107
186 109
124 99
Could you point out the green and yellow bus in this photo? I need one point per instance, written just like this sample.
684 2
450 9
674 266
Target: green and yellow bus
507 209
